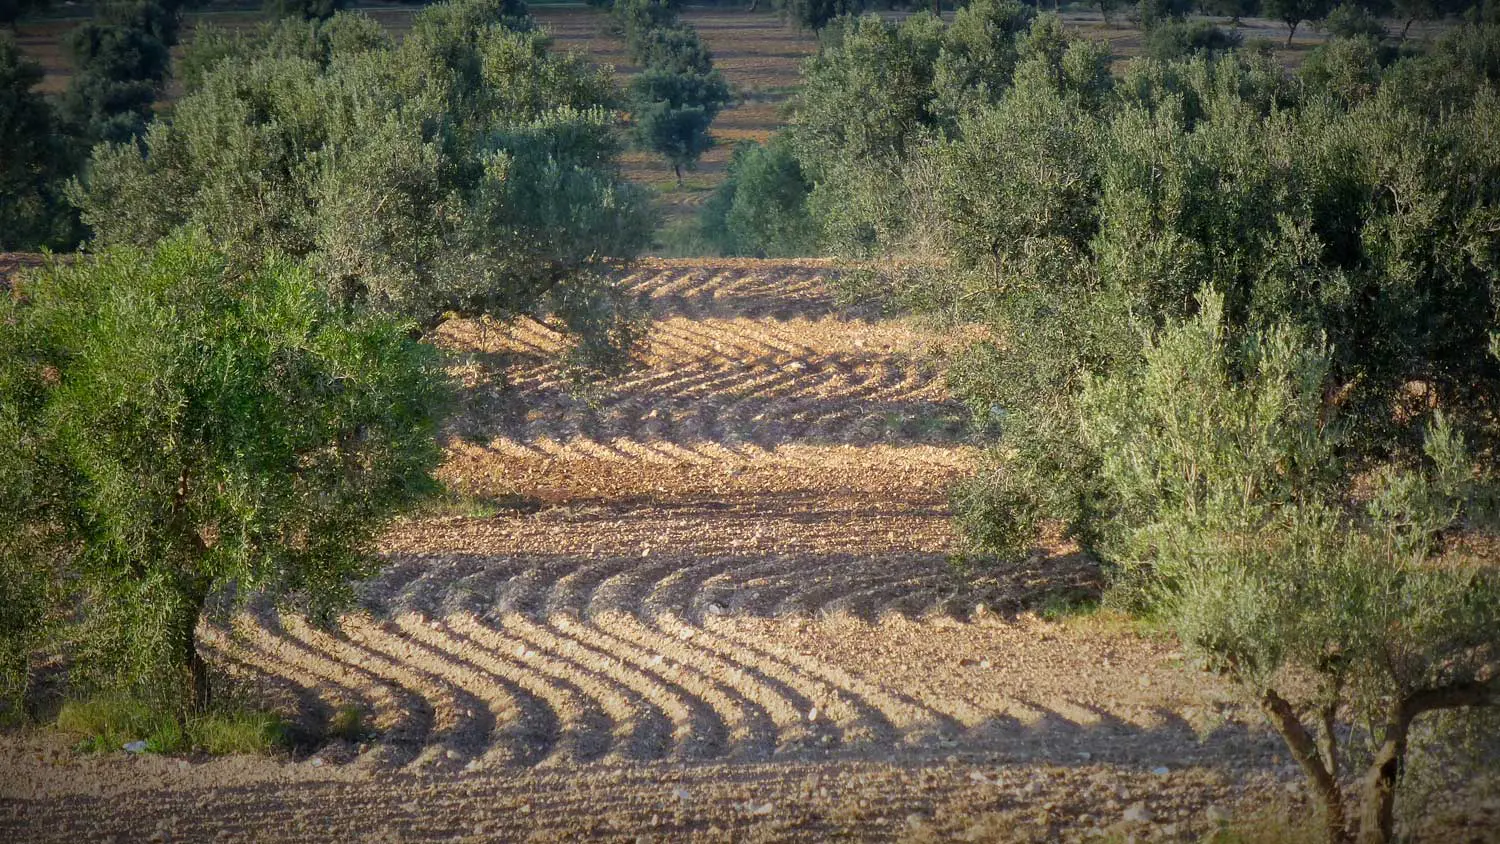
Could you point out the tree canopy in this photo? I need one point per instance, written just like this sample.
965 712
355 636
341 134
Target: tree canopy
196 426
468 170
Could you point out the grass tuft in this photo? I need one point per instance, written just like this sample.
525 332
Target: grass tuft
348 723
107 723
238 731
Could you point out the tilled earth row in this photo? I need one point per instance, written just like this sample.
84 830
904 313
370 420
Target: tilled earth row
723 608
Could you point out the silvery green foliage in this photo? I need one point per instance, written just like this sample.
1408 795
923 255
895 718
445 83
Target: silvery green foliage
466 171
175 424
761 208
1223 464
1061 218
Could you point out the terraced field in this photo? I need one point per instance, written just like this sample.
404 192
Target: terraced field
721 609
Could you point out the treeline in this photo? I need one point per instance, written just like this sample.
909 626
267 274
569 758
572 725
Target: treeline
230 393
122 62
1245 337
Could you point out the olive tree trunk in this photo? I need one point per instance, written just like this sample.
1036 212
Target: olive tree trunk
1378 801
1308 755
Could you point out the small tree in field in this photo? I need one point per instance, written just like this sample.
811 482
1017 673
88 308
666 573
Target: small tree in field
673 111
1233 521
199 427
122 58
468 170
1294 12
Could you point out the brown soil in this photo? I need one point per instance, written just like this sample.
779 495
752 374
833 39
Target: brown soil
728 614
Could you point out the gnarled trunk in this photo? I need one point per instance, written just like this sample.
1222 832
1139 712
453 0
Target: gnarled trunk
1305 750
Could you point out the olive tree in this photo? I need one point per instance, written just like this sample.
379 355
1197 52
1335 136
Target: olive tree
673 110
122 59
1294 12
1232 519
467 171
761 209
201 426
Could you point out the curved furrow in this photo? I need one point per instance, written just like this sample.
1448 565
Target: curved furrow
668 723
747 727
523 730
614 605
570 724
428 592
767 594
639 730
317 695
401 717
687 588
908 720
872 602
853 721
444 709
467 710
856 719
812 597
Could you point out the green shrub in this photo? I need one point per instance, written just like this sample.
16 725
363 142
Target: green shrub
1153 13
1346 69
1179 39
203 426
761 207
317 41
121 62
1352 20
1070 214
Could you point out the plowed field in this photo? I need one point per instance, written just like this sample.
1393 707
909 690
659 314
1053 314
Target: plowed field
722 611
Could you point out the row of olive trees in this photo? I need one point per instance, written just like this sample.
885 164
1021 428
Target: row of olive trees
1243 325
231 396
122 61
